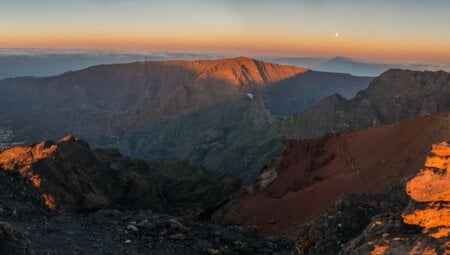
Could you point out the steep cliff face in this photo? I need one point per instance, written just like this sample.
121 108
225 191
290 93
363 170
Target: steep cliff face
239 71
71 177
312 174
394 96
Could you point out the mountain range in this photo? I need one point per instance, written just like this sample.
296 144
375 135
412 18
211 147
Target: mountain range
394 96
50 62
225 114
327 157
356 67
230 115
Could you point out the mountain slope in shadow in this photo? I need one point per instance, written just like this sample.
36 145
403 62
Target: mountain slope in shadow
171 109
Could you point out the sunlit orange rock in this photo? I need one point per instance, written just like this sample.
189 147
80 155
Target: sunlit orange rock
49 201
379 250
240 70
21 159
441 232
58 171
23 156
418 249
437 162
429 186
430 217
441 150
430 189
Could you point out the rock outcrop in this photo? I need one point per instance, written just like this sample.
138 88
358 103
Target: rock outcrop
346 219
430 194
387 234
423 227
70 177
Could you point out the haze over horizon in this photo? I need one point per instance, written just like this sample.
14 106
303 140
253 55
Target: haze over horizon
365 30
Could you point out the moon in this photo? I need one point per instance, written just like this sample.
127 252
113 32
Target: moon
336 34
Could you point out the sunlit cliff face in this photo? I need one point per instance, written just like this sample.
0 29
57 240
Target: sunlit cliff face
21 159
240 70
430 192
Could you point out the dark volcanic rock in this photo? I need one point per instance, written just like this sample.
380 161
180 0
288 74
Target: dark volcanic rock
347 219
388 234
119 232
12 241
53 195
71 177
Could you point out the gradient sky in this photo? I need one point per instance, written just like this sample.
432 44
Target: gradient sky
387 30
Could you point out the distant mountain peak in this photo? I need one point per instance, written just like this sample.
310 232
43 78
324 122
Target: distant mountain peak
341 58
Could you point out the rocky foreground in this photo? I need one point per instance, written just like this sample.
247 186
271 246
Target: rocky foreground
29 230
390 228
312 174
64 198
412 217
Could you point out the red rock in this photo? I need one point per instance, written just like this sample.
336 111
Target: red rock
313 173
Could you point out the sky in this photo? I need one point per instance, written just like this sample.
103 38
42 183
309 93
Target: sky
377 30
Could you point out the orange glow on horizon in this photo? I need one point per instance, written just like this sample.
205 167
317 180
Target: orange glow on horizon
256 45
363 30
